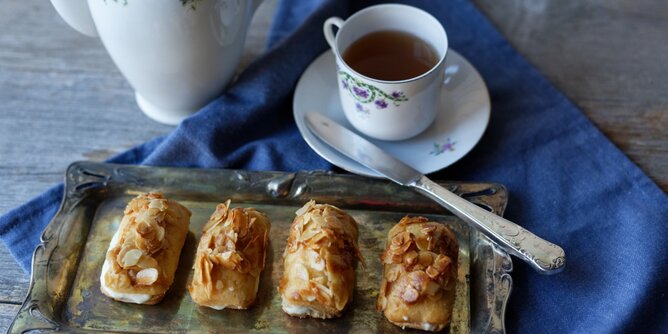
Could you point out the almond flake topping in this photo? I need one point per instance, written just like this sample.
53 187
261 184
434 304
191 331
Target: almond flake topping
425 258
301 272
131 258
401 242
315 261
410 257
147 276
410 295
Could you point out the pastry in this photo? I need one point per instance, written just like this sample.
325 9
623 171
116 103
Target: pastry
144 252
230 258
319 262
420 265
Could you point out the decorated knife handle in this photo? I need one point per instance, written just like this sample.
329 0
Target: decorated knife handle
544 256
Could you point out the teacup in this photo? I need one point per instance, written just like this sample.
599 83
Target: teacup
382 109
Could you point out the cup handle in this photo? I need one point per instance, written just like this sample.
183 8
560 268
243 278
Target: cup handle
329 32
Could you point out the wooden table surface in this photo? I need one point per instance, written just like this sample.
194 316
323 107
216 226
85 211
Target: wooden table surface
62 99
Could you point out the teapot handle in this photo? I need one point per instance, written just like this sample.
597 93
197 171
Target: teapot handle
77 14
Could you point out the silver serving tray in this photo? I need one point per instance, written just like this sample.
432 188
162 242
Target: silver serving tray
64 290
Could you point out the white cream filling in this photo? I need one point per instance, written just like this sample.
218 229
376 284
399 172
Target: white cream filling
137 298
425 325
296 309
428 327
218 308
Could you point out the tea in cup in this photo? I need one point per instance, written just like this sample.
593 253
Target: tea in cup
390 66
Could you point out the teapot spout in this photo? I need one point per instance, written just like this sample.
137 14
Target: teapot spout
77 15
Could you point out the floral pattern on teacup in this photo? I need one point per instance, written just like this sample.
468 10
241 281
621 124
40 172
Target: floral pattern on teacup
361 110
369 94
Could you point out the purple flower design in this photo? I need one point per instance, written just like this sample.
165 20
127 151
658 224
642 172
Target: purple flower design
449 147
359 107
446 146
367 94
380 104
363 93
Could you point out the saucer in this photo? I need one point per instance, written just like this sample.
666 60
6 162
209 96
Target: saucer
461 121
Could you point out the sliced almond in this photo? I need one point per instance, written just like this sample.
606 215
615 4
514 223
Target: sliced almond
432 288
423 243
310 297
410 295
159 204
418 280
441 263
315 261
432 273
322 289
131 258
319 280
308 234
305 208
219 241
317 238
318 220
301 272
123 281
393 273
160 233
205 270
410 257
147 276
226 255
428 229
148 244
216 258
218 216
146 229
147 262
401 242
425 258
121 255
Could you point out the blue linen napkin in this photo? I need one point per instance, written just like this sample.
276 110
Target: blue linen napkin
567 182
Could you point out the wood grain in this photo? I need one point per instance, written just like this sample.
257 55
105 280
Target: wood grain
13 281
63 100
7 312
605 56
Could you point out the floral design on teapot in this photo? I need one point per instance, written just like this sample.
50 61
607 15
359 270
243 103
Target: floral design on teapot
369 94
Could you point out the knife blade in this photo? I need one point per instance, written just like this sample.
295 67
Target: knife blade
544 256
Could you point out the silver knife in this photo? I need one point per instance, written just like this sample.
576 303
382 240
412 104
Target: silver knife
542 255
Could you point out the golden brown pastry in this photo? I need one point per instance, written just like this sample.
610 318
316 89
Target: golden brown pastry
319 262
418 286
144 253
230 258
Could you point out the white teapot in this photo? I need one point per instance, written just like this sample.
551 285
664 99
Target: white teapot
177 54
